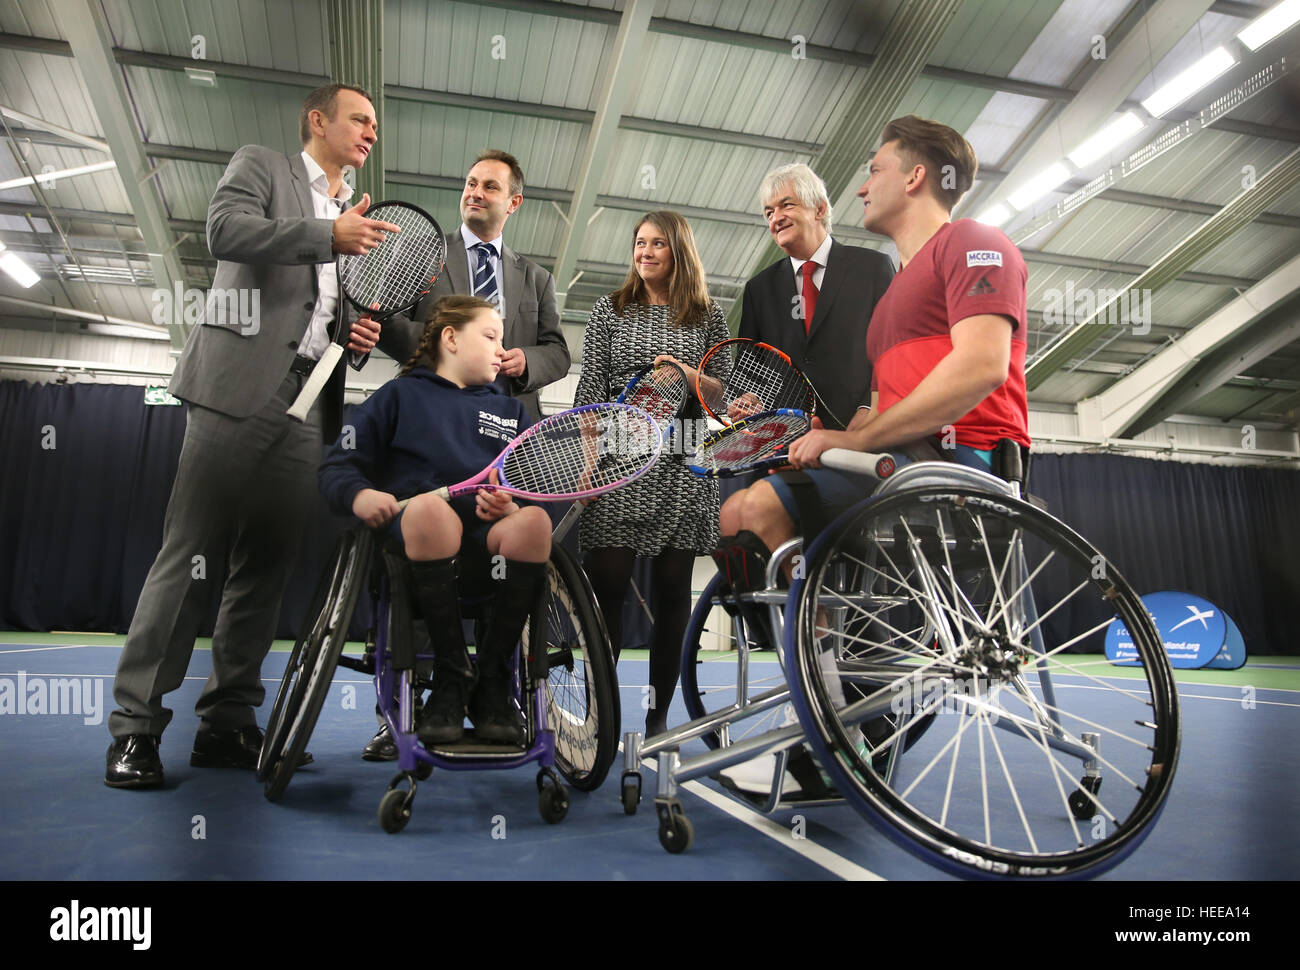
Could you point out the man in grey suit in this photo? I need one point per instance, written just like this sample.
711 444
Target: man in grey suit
479 263
247 471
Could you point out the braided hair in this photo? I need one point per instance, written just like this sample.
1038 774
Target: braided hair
451 311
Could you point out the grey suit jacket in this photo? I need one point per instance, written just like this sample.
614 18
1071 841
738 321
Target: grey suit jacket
833 355
265 235
532 320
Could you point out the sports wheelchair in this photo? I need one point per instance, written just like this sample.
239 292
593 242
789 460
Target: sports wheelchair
564 678
923 645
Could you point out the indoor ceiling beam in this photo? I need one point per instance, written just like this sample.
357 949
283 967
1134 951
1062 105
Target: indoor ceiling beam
624 64
85 26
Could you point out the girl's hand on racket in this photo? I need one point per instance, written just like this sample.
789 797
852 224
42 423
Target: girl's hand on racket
491 505
364 335
355 235
375 508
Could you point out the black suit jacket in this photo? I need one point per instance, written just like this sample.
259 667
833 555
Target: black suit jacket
833 355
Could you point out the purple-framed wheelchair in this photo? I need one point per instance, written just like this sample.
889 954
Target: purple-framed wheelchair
564 677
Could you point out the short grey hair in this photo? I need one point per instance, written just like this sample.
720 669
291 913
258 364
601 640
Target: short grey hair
807 185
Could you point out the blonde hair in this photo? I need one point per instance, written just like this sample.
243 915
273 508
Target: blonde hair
688 294
451 311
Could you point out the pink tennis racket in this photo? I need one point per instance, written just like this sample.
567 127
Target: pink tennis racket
580 453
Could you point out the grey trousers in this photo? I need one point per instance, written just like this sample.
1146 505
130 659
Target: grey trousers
248 482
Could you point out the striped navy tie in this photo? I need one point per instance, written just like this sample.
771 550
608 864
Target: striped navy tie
485 277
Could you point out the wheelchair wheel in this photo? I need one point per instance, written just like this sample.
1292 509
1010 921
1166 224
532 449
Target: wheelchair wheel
958 606
581 685
311 666
706 689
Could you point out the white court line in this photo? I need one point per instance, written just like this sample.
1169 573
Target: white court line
832 862
70 646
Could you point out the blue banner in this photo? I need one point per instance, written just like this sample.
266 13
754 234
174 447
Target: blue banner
1192 629
1233 654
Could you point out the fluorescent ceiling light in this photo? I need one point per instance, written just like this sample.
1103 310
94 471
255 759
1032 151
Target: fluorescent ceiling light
1116 133
1268 25
22 274
1038 186
995 216
1173 93
51 176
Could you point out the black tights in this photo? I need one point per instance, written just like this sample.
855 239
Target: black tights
610 571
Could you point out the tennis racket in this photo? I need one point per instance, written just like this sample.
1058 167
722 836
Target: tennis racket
764 440
387 280
580 453
750 444
758 378
662 392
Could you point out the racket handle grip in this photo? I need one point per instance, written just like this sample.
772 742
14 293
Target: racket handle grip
315 383
565 524
860 463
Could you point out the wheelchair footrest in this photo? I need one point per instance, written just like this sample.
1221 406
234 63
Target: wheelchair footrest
362 665
470 746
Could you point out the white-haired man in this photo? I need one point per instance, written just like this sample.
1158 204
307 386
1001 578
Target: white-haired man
814 304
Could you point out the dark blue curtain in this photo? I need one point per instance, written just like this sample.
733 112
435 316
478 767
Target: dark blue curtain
1229 534
81 522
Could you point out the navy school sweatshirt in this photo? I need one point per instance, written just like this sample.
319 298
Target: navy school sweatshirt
418 432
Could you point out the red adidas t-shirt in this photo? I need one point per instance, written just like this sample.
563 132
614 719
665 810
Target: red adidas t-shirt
963 270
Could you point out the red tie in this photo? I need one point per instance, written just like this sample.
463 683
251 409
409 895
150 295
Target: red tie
809 294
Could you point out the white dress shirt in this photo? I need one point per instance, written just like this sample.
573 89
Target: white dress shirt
316 337
819 257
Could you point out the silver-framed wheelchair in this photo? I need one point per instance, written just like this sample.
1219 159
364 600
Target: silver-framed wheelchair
924 642
563 674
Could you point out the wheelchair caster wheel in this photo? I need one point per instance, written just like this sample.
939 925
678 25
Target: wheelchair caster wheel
1082 805
394 811
423 770
553 803
631 791
675 830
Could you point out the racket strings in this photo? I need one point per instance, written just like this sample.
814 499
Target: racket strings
582 451
401 267
750 443
762 381
660 393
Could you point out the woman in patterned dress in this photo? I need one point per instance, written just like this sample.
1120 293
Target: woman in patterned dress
668 515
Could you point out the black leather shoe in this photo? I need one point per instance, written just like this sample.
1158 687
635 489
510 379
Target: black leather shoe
237 748
382 747
133 762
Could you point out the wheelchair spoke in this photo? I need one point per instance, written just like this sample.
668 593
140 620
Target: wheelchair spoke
929 596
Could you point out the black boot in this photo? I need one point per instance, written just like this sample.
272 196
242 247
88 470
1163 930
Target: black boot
492 709
443 719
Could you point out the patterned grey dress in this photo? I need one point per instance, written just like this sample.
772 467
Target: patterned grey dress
667 507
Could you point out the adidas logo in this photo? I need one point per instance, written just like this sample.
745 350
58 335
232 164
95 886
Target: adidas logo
982 288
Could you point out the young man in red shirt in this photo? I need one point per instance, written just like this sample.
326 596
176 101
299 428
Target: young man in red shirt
946 341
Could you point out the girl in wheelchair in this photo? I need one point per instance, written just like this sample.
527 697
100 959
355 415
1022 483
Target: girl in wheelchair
440 422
